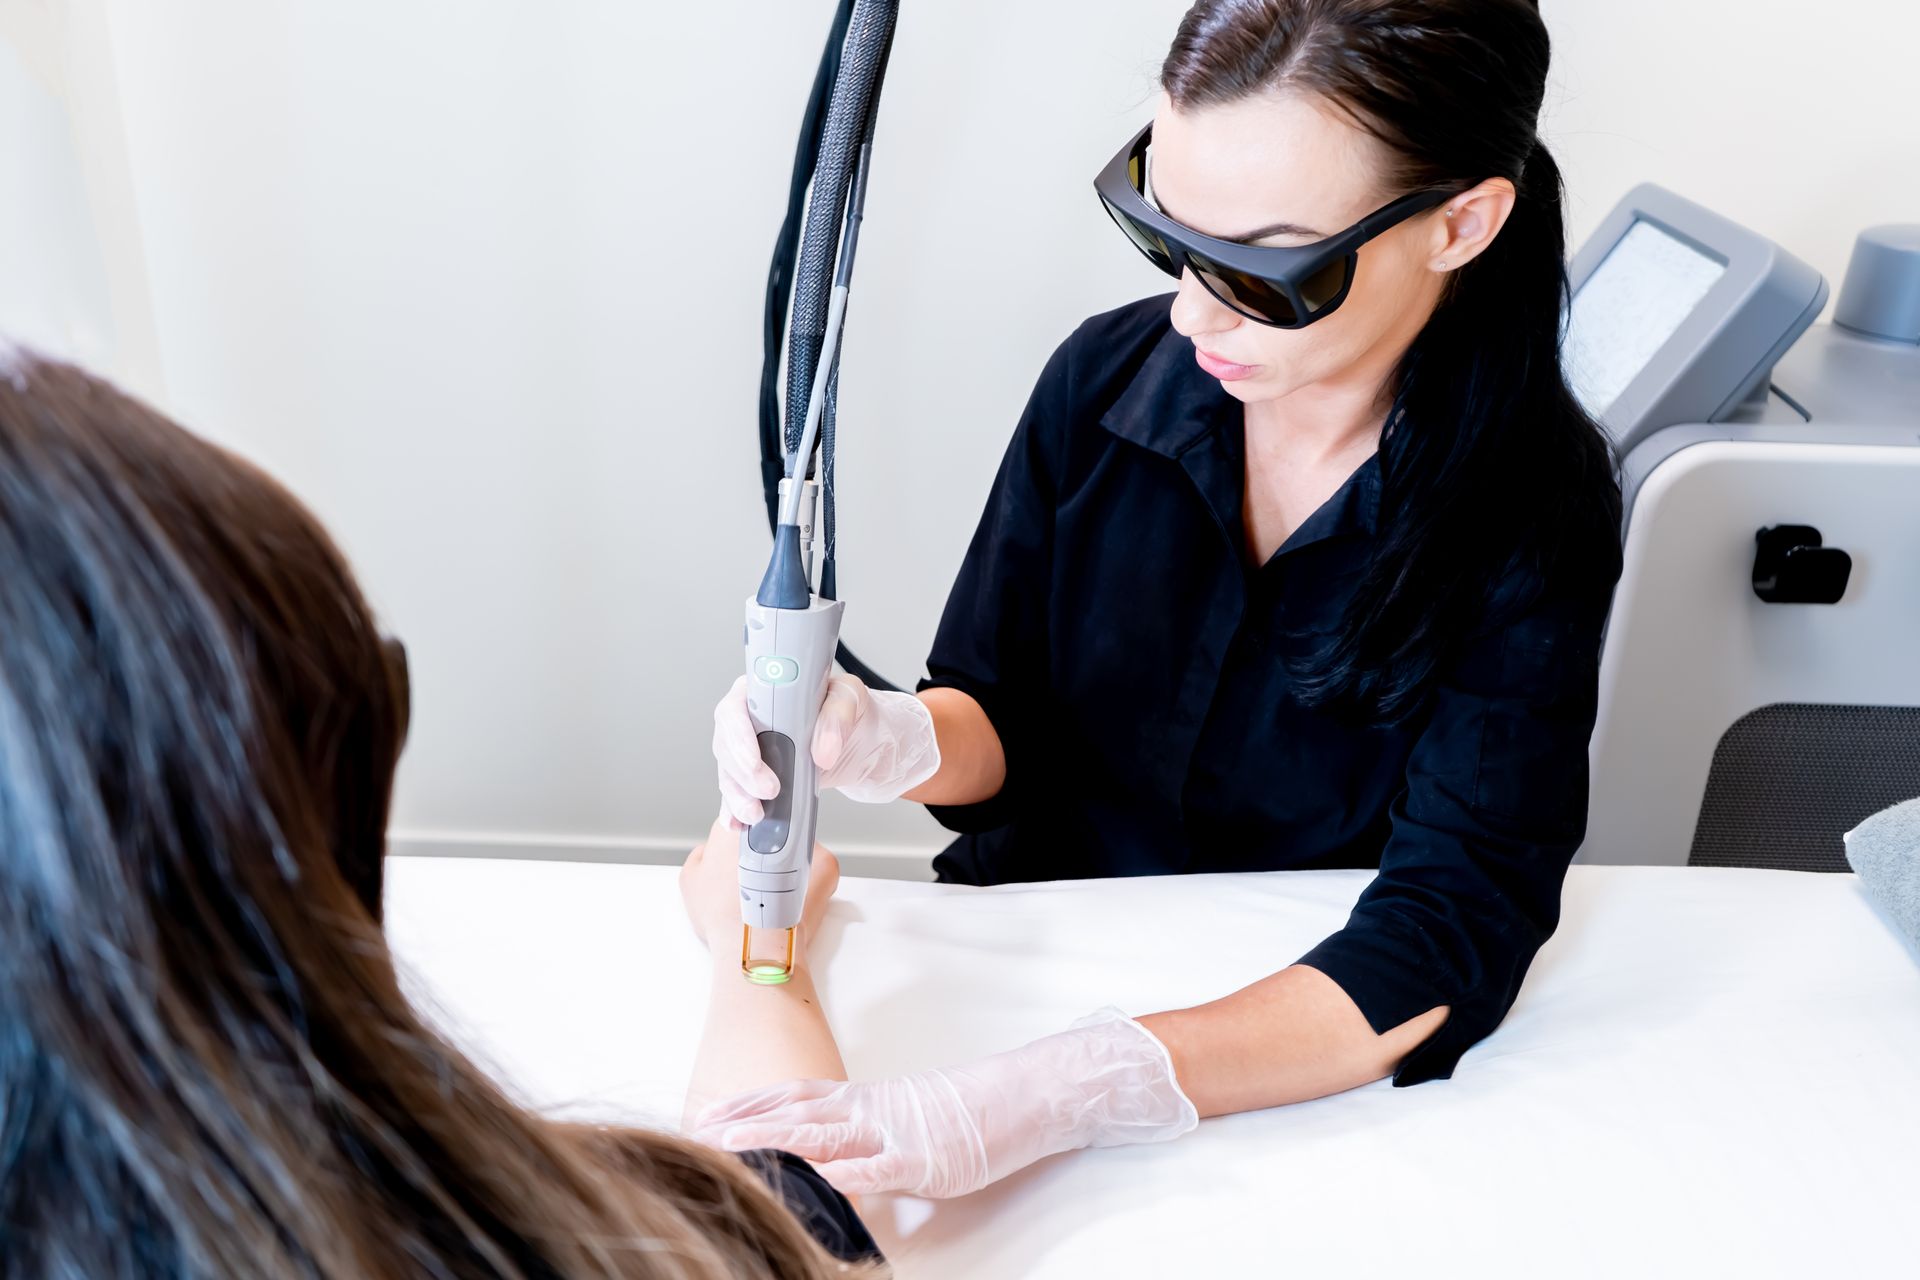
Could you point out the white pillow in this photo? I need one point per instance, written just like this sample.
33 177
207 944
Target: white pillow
1885 852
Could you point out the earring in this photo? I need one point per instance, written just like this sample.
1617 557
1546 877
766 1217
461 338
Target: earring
1443 265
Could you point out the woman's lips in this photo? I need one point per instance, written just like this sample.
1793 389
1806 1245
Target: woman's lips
1225 370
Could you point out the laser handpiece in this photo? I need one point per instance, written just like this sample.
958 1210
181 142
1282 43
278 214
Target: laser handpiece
792 632
790 638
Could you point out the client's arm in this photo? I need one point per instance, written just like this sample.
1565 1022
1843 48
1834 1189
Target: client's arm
755 1035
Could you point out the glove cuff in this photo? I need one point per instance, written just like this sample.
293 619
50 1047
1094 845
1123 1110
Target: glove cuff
905 752
1135 1097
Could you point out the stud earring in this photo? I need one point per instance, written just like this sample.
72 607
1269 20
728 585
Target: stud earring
1443 265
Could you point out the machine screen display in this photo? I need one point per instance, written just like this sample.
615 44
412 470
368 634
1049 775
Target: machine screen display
1627 309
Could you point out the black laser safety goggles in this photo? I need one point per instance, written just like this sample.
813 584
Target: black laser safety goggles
1288 287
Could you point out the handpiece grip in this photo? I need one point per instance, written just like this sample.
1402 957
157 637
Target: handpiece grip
789 655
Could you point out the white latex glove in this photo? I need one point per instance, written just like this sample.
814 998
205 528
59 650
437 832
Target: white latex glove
1104 1083
873 747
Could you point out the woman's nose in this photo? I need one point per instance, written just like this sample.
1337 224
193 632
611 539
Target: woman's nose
1196 312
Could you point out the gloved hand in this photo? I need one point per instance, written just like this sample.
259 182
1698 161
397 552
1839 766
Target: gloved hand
1105 1082
873 747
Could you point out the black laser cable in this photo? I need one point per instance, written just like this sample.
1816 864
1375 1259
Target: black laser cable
785 248
831 162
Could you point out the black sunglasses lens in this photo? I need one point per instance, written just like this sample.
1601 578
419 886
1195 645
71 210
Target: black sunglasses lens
1249 295
1143 238
1326 284
1263 300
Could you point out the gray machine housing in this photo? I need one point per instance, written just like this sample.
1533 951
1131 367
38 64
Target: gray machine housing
1721 355
1734 731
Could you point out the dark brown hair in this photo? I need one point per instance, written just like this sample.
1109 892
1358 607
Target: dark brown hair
207 1067
1488 462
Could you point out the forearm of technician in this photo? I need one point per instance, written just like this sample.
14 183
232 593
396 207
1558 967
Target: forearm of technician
973 765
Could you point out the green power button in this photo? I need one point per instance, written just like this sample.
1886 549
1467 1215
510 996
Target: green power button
776 670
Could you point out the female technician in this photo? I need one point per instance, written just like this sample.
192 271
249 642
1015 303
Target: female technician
1305 566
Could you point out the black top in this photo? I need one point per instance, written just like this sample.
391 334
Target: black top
1131 659
823 1211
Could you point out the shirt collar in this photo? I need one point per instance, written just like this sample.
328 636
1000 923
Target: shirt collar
1354 507
1172 404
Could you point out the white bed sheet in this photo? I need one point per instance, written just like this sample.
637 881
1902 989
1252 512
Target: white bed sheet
1709 1072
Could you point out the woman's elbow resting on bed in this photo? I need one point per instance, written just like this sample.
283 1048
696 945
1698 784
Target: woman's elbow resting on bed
1290 1037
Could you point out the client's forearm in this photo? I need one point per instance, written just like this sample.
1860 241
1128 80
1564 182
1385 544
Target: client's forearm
759 1035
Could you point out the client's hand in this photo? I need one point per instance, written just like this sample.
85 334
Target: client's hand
710 887
1104 1082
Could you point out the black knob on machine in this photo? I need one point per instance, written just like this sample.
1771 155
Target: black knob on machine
1790 566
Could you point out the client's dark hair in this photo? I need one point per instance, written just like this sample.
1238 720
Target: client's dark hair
1488 461
207 1067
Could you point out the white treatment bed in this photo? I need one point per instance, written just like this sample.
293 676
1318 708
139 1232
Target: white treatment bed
1710 1071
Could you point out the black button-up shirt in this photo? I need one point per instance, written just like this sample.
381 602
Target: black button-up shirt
1133 664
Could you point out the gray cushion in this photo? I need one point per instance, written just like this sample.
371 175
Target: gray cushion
1885 852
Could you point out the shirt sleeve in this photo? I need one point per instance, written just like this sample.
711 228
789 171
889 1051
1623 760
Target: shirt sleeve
992 643
823 1211
1494 808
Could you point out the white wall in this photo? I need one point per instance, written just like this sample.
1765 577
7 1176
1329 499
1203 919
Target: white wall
481 279
72 277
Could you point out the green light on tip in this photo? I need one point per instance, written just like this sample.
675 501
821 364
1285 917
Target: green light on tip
768 975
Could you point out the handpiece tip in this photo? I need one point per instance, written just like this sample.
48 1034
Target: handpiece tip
765 971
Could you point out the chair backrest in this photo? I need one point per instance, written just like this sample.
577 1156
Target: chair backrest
1788 780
